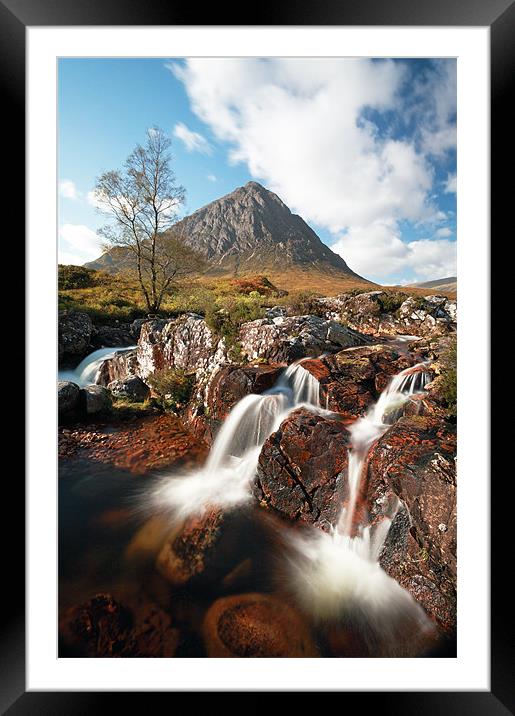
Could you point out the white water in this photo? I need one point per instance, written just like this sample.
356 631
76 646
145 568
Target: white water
88 369
231 466
337 575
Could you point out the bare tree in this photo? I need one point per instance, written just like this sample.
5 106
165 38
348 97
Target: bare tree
142 200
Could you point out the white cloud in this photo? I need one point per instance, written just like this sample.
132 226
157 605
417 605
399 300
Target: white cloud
211 177
451 184
443 233
78 244
68 190
377 251
298 126
193 141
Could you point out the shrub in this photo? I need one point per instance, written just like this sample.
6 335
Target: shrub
303 303
225 315
172 386
391 302
448 380
70 277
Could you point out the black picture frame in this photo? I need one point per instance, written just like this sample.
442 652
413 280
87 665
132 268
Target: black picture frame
15 17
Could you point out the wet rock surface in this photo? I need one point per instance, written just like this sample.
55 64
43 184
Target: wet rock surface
414 462
102 627
216 396
256 626
352 379
96 399
137 444
302 469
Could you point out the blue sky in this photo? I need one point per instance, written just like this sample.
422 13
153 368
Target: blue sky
364 150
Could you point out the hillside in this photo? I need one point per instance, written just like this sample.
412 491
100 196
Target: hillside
251 231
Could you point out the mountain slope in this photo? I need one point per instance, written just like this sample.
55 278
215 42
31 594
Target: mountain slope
252 231
442 284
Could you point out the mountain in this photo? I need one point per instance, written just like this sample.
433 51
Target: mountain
449 284
252 231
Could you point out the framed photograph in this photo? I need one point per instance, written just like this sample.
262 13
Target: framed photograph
258 272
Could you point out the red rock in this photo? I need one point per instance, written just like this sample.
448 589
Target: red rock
414 461
102 627
256 625
302 469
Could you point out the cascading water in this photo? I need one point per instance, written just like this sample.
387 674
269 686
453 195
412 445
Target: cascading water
231 466
337 575
88 369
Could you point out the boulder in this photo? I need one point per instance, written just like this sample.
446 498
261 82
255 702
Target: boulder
256 626
203 549
288 338
132 388
302 469
102 627
351 380
74 329
227 384
112 336
68 395
186 343
413 464
377 312
97 399
123 365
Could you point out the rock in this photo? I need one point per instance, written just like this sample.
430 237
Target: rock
186 343
68 394
135 327
74 330
203 549
102 627
256 625
414 463
111 336
132 388
378 312
302 469
288 338
123 365
97 399
353 379
276 312
226 385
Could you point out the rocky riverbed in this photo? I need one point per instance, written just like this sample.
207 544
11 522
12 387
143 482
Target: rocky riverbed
137 580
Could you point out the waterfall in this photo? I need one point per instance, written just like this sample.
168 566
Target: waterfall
88 369
226 477
365 431
337 575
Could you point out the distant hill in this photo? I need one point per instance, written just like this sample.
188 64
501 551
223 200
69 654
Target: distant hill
251 231
449 284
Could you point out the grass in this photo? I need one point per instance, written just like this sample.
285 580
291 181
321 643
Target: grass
448 379
116 298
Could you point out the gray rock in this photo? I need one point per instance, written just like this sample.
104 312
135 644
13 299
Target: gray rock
276 311
111 336
97 399
132 388
75 330
186 343
288 338
68 394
